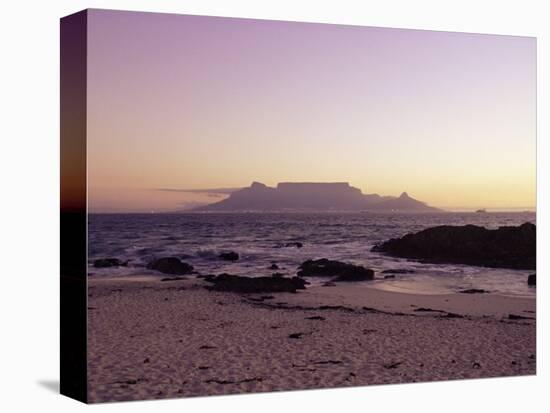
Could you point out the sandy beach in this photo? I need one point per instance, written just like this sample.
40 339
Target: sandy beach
153 339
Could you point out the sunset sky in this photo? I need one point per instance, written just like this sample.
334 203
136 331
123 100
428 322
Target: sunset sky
201 102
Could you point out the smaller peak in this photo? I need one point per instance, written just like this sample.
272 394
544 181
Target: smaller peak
256 184
404 195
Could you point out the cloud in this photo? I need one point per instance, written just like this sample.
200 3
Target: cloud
213 192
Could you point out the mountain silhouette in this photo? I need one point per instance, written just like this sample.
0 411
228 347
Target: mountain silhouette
317 196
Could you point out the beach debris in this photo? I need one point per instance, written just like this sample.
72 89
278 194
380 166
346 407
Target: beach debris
393 365
374 310
350 376
217 381
451 315
261 299
505 247
241 284
206 347
109 262
295 335
519 317
474 291
129 381
426 310
328 362
170 265
334 307
532 279
330 268
229 256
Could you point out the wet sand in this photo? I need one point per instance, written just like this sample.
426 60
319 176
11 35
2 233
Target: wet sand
153 339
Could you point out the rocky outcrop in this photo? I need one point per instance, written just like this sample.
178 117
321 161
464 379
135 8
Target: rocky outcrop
109 262
341 271
240 284
170 265
505 247
229 256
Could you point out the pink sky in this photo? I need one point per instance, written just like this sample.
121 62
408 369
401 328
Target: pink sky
179 101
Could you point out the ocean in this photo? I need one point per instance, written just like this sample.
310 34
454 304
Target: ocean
260 239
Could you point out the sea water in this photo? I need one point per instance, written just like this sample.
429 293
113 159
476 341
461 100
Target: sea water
260 239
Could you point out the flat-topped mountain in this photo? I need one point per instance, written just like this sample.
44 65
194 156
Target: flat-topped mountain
318 196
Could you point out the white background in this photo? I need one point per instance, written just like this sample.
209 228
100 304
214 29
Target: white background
29 200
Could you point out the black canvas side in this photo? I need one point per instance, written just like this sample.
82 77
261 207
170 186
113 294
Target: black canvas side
73 219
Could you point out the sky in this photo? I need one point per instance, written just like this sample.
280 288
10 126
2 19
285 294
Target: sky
195 102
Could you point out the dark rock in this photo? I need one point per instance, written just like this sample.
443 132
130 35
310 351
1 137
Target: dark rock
316 317
170 265
329 268
366 275
328 284
173 279
398 271
294 244
235 283
474 291
109 262
389 276
290 245
274 267
229 256
505 247
296 335
532 279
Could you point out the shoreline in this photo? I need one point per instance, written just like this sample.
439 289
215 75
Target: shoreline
154 339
